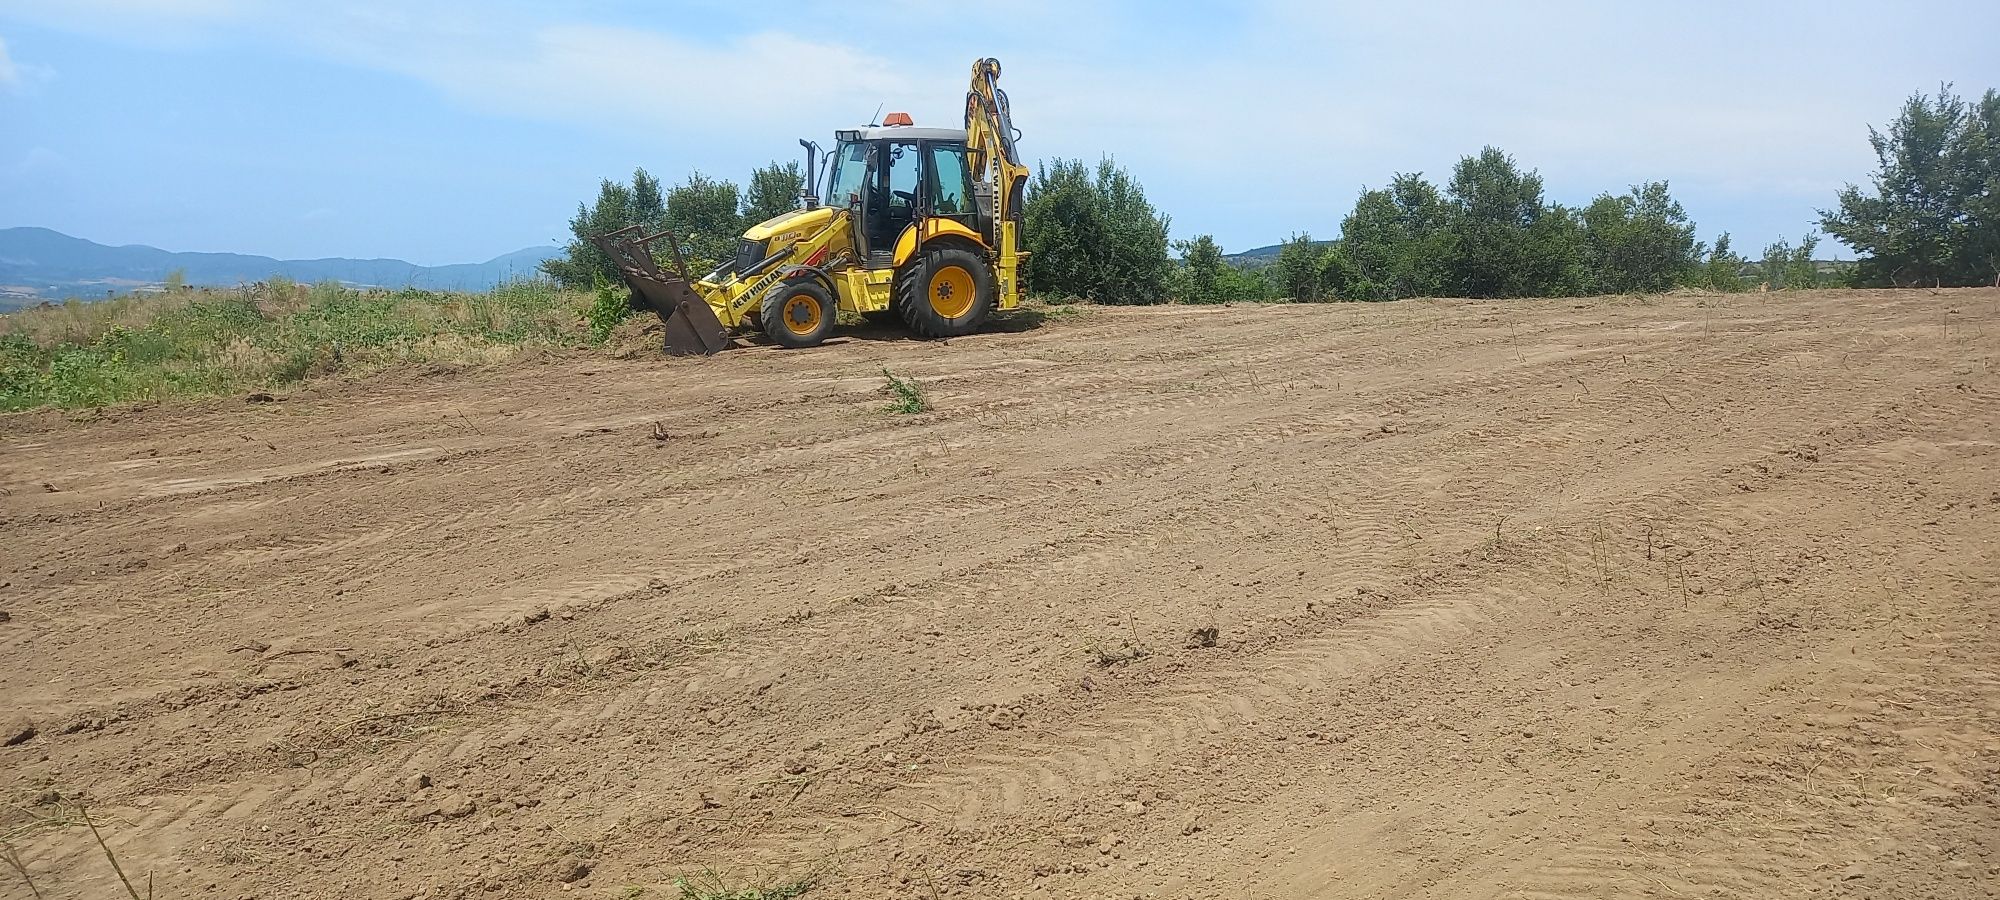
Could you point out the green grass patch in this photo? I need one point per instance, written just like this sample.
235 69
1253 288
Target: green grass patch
192 343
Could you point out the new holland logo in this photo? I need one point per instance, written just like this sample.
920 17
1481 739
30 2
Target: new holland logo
777 273
756 289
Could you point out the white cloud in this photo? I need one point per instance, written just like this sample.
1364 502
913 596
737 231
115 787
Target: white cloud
1281 119
145 22
39 163
722 93
600 75
21 78
1293 105
1262 117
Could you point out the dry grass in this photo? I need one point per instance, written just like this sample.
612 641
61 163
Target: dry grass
268 334
81 322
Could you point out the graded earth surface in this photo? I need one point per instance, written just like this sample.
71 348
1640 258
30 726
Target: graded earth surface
1683 596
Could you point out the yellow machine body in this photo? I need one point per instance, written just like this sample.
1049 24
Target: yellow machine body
921 223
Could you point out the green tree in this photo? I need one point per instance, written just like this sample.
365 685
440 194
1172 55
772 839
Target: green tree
1396 242
703 212
1638 242
617 206
1723 269
1201 268
773 191
648 205
1240 285
1062 225
1934 215
1506 242
1786 267
1136 267
1336 272
1094 235
1301 269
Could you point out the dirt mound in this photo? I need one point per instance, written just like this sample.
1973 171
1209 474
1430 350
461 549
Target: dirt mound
1683 596
636 337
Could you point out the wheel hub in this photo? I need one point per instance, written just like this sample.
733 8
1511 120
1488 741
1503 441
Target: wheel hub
801 314
951 291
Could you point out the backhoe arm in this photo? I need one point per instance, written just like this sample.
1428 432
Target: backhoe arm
989 141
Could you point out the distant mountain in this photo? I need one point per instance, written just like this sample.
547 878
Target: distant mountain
1261 256
1258 253
38 264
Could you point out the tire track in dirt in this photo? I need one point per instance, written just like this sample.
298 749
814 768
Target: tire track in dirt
1286 474
548 508
859 449
547 511
609 587
1609 868
1084 548
1143 735
1825 800
1062 763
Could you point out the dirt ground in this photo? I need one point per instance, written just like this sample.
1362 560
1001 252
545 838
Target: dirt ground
1669 597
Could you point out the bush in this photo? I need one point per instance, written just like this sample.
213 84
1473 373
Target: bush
1240 285
1301 269
1396 242
708 216
1094 236
774 190
1723 269
1200 272
1934 215
1786 267
1505 240
1638 242
1489 234
608 307
617 206
1205 275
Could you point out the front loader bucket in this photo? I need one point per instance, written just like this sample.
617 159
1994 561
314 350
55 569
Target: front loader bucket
692 328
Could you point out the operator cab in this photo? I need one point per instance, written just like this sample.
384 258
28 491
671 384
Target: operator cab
896 174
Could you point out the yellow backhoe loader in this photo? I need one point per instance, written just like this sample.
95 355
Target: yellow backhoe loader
917 224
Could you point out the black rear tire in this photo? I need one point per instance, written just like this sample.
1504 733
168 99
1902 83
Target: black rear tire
797 313
946 293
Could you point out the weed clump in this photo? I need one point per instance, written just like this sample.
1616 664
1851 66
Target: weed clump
607 308
712 886
906 395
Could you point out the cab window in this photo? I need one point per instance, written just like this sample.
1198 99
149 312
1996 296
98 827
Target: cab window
904 167
949 187
850 173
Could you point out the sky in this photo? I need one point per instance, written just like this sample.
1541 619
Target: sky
455 131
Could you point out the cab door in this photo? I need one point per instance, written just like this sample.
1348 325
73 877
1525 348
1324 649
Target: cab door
948 185
850 185
892 206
